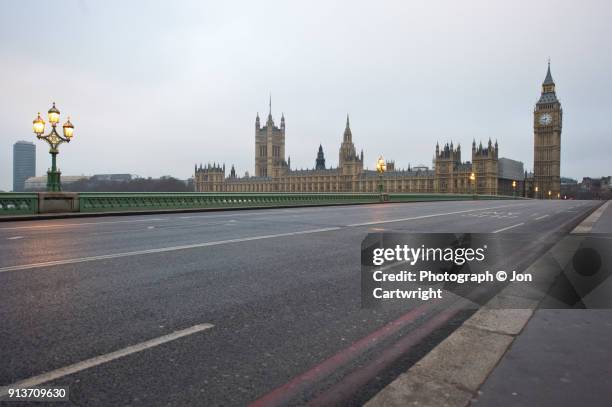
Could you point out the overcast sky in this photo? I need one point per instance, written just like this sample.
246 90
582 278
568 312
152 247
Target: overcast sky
155 87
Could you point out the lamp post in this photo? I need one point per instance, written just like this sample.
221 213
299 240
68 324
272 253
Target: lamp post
54 139
514 188
536 192
473 183
381 167
549 194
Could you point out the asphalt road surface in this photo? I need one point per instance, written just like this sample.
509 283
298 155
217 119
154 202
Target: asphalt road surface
227 308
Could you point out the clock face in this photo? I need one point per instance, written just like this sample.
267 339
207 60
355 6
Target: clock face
545 119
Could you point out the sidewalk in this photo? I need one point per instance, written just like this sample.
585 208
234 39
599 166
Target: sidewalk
562 358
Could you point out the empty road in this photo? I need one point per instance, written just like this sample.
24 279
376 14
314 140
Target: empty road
226 308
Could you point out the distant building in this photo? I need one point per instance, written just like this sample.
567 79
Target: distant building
113 177
569 188
589 184
24 164
34 184
509 172
449 175
595 188
605 183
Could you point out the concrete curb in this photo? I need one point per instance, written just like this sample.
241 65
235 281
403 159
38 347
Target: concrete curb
451 374
587 225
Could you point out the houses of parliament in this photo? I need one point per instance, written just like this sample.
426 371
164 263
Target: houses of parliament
485 173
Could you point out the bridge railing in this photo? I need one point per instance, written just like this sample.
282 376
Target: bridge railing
96 202
18 203
102 202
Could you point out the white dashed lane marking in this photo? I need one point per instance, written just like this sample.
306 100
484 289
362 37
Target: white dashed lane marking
508 227
98 360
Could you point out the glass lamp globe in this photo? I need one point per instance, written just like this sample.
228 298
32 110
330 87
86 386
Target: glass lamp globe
54 115
38 125
68 129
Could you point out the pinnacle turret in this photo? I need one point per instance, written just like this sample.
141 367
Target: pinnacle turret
348 136
549 79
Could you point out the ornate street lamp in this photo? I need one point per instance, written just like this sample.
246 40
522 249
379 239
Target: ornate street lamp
381 167
54 139
514 189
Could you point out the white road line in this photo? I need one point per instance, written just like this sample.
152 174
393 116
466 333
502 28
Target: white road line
14 237
542 217
220 242
218 216
64 225
508 227
433 215
160 250
98 360
271 211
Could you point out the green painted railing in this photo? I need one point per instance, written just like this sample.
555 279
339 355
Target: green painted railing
17 203
92 202
444 197
101 202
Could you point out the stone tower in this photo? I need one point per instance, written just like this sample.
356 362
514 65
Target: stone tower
320 162
349 161
484 166
547 124
446 162
269 147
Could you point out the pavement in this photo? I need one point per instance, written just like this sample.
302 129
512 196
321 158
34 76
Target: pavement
230 308
562 358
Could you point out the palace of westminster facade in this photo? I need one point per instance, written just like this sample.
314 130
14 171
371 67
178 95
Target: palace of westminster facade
492 175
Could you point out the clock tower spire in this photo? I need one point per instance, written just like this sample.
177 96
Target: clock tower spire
547 124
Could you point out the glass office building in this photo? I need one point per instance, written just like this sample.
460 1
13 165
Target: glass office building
24 163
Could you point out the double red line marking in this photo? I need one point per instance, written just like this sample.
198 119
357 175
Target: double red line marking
283 394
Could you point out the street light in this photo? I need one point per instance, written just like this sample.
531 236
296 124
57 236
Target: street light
381 167
54 139
549 193
473 183
514 189
536 192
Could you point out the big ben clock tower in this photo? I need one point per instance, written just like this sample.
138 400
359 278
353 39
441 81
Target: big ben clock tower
547 123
